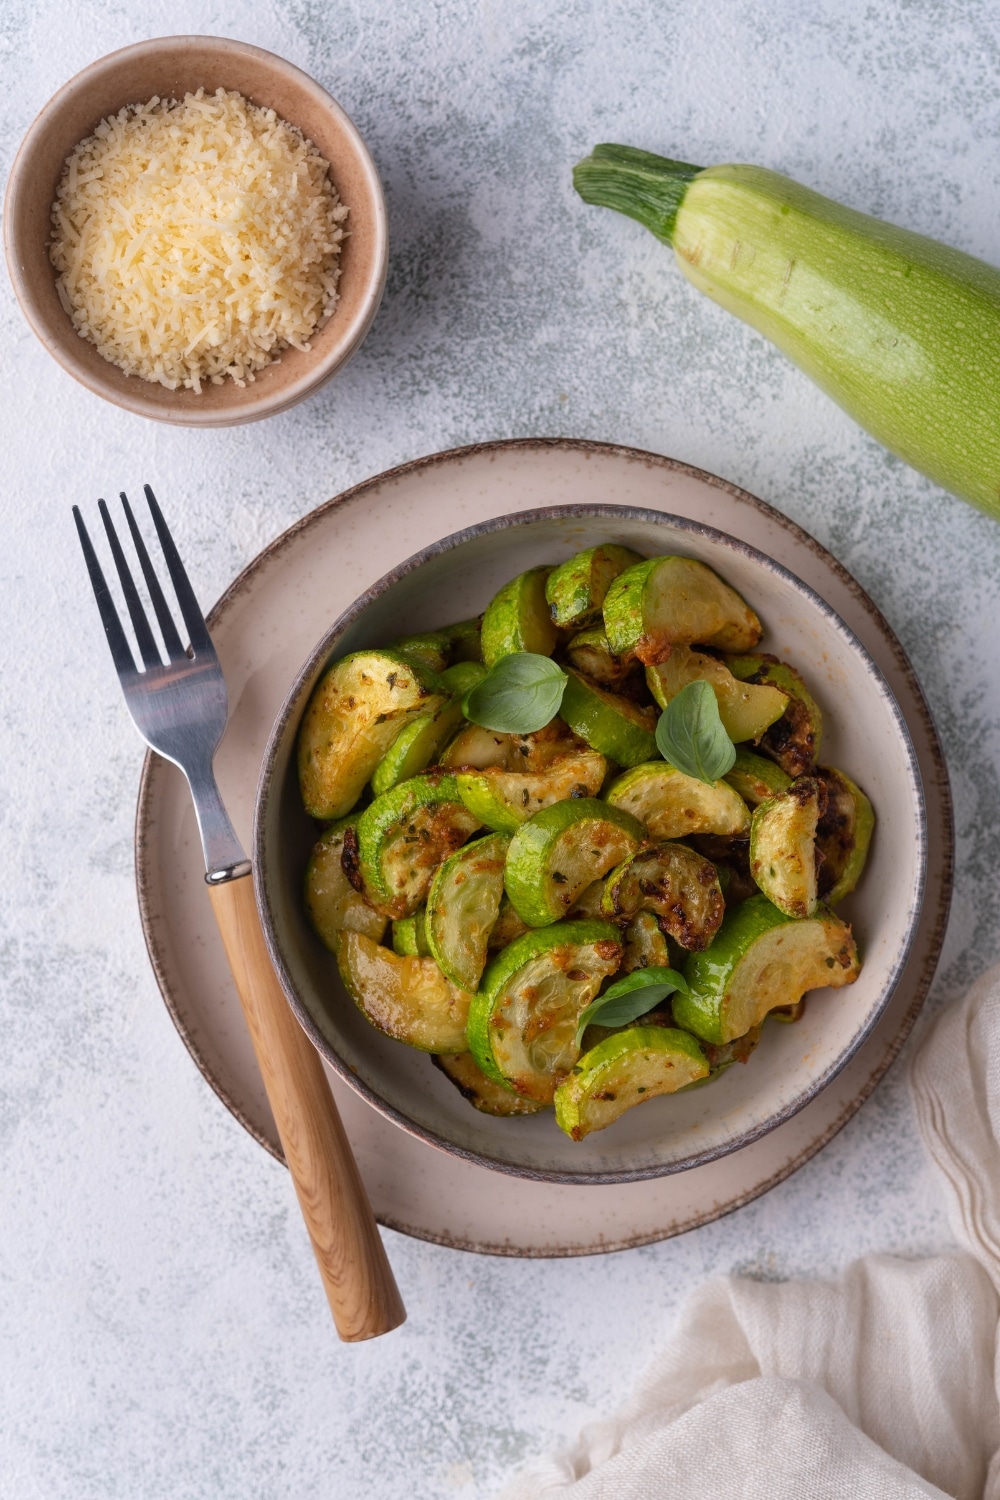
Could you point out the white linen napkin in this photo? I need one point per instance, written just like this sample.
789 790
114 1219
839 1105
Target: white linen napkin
881 1385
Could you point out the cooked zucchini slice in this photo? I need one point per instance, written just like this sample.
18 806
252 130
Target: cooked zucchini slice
783 846
588 903
518 619
403 837
463 677
536 752
745 708
622 730
794 739
560 851
575 590
477 747
406 998
646 947
522 1021
843 835
409 936
761 960
356 711
465 640
505 799
675 601
417 746
626 1069
332 903
741 1048
590 654
462 907
432 649
731 858
673 806
482 1093
508 926
755 778
675 883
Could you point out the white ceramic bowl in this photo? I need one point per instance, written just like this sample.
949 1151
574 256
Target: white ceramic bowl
865 735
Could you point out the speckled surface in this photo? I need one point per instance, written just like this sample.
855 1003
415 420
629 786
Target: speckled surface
161 1329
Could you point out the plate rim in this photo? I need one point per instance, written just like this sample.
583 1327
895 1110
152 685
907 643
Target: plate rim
267 786
943 827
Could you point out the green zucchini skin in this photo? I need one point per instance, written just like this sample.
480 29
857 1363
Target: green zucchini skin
902 332
404 835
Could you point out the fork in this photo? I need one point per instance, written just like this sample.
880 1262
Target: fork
180 709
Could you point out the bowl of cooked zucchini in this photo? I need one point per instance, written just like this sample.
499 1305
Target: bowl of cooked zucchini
580 810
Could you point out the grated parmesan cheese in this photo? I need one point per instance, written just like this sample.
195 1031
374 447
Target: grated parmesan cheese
196 240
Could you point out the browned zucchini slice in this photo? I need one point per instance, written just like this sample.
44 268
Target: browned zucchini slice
332 903
843 835
762 960
356 711
561 850
629 1068
403 837
745 708
671 601
407 998
482 1093
677 884
590 654
783 846
462 908
523 1020
505 799
671 805
794 739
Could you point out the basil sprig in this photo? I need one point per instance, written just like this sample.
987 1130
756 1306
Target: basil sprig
519 694
631 998
691 736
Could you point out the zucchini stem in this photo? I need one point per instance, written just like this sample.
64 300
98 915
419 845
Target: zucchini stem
646 187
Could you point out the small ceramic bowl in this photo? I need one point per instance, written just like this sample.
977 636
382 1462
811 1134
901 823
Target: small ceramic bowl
865 735
170 67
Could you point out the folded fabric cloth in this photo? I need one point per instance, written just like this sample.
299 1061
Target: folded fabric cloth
881 1384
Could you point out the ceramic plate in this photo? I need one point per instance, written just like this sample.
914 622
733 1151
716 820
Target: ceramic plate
266 625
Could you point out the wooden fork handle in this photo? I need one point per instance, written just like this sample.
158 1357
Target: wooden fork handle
356 1274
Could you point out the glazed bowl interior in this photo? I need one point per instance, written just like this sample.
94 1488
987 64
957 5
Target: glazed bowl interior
865 735
170 67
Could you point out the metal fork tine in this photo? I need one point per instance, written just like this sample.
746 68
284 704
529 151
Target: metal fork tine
144 636
172 641
201 641
117 640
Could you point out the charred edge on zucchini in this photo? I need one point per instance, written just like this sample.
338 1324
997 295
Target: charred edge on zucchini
802 791
791 740
350 859
835 830
731 855
690 917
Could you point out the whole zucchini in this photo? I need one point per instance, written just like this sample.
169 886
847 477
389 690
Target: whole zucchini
902 332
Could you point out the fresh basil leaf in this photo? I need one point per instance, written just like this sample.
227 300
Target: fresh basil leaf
631 997
690 734
519 694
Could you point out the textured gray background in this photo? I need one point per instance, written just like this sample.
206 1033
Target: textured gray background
161 1329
